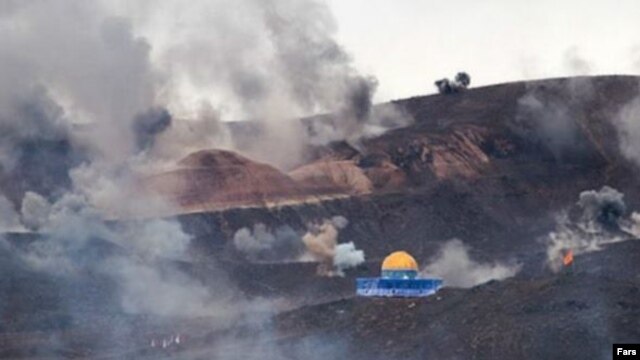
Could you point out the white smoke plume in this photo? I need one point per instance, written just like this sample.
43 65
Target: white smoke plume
89 94
263 244
85 79
138 61
319 243
628 128
34 211
347 256
156 239
247 241
382 118
553 121
601 219
9 217
270 61
549 122
136 255
150 289
455 266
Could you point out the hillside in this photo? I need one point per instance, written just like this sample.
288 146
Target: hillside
503 169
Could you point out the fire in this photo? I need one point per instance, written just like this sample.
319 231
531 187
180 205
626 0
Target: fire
568 258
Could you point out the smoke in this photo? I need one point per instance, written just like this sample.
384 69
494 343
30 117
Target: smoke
553 121
575 63
626 124
88 97
36 145
247 241
381 118
550 122
319 243
139 257
321 240
347 256
34 211
92 70
456 267
148 125
599 218
157 238
605 206
9 218
268 61
164 291
460 83
260 244
626 121
205 130
339 221
110 83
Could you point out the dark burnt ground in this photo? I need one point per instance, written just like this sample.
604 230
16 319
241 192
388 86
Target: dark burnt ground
500 214
575 314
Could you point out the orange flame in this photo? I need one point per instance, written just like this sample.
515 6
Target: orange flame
568 258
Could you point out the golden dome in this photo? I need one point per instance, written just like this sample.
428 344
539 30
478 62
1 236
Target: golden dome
399 260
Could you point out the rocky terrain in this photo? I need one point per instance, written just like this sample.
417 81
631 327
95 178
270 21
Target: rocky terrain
493 167
473 166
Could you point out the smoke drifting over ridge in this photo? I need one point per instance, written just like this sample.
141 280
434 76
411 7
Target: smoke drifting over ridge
628 129
553 122
270 61
130 75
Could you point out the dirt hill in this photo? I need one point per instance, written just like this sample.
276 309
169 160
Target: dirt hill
492 166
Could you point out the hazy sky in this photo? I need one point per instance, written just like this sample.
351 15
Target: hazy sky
408 44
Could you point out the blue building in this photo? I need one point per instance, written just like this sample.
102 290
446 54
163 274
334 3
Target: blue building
399 279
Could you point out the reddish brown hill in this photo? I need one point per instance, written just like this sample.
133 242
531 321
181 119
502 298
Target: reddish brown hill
219 179
344 174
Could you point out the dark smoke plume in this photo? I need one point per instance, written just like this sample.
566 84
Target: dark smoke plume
600 217
460 83
605 206
360 97
36 144
148 125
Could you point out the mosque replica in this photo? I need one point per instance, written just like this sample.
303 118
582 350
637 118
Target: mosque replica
399 278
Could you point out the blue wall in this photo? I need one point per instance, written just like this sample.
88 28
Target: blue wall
397 287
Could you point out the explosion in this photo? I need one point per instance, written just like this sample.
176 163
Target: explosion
321 243
567 259
283 244
599 217
459 84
